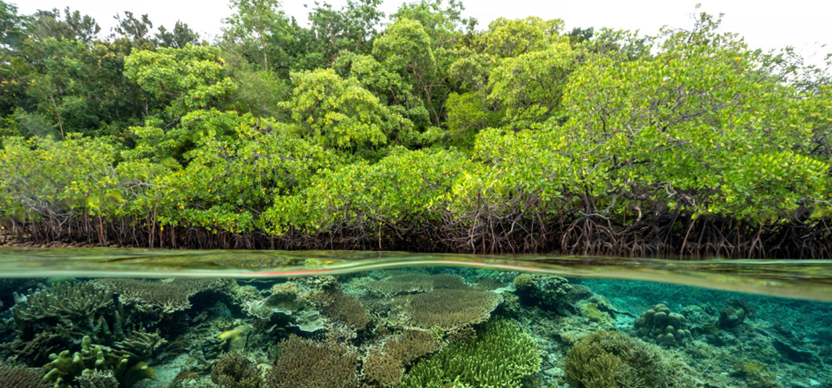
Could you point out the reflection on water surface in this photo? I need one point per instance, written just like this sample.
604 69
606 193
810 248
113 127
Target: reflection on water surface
91 318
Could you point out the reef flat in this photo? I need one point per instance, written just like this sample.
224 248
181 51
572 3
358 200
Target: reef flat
418 327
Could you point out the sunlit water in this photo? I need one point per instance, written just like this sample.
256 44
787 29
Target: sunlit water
102 318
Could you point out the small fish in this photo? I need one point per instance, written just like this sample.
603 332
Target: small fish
185 375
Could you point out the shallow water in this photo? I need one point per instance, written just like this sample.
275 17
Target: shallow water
96 317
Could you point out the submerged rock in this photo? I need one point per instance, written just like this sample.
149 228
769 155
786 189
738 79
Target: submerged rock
548 292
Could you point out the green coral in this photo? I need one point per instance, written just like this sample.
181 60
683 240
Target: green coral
545 291
501 356
662 326
611 359
591 311
66 368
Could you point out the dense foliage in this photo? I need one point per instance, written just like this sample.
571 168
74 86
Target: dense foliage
422 133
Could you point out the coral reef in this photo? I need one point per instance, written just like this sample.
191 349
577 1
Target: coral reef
450 309
20 377
235 370
734 313
501 356
401 284
339 306
611 359
304 363
286 305
97 379
545 291
386 366
73 304
159 296
66 367
139 345
662 326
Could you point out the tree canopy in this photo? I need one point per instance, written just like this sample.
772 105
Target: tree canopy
420 131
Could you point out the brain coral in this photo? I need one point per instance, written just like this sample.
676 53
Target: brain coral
662 326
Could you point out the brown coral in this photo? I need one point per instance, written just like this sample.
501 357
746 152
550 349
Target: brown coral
305 363
342 307
235 370
611 359
385 366
20 377
450 309
166 296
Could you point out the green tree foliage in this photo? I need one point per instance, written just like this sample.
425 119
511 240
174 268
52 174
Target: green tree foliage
422 133
338 113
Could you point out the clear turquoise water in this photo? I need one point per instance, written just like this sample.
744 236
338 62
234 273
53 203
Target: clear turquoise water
775 329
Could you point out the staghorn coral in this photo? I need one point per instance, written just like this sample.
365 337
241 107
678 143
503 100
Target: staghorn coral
139 345
546 291
37 350
20 377
304 363
69 303
450 309
501 356
166 296
611 359
66 367
385 366
235 370
662 326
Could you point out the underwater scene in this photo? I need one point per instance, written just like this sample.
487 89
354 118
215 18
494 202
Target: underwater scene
107 318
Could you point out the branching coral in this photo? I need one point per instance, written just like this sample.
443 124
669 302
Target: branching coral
610 359
19 377
342 307
67 302
305 363
165 296
450 309
235 370
501 356
139 345
385 366
662 326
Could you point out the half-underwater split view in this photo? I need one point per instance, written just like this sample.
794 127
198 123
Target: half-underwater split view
415 194
312 319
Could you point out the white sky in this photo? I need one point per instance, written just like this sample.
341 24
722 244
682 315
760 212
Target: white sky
765 24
